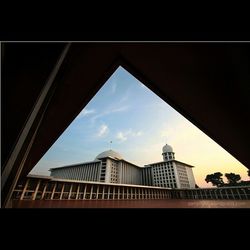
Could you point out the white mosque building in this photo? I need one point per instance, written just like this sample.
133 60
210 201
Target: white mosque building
110 167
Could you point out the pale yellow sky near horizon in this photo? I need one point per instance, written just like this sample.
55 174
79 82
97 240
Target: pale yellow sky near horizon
193 147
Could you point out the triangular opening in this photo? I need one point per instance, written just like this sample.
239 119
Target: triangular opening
127 117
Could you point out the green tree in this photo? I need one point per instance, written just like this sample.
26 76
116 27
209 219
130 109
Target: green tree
215 179
232 179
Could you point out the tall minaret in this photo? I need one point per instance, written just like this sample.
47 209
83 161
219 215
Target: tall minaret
167 152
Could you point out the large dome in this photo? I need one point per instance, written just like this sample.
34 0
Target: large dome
167 148
109 153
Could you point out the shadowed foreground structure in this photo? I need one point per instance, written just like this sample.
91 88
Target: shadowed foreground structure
133 204
42 191
208 83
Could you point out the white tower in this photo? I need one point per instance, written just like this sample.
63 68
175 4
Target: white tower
167 152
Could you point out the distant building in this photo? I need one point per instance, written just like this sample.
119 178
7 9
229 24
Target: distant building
169 172
110 167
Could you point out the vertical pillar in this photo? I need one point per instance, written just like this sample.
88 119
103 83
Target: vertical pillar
123 193
61 195
84 192
205 191
77 192
70 191
113 192
24 189
97 191
244 191
91 191
227 193
37 186
53 192
232 193
44 190
108 191
221 196
103 191
237 189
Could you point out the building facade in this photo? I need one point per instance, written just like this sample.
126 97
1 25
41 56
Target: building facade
169 172
110 167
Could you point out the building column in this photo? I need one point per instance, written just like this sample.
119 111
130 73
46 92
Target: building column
37 186
221 196
205 191
97 191
53 192
232 193
215 192
244 191
227 194
84 192
91 191
108 191
44 190
113 192
77 192
123 193
70 191
239 195
61 195
24 189
103 191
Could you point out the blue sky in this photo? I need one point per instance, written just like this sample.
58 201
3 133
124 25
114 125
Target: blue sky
139 124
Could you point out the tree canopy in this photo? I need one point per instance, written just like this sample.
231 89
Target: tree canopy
215 179
232 179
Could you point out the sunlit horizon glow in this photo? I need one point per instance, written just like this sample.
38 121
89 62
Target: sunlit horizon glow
139 124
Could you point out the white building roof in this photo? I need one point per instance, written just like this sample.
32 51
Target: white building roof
109 153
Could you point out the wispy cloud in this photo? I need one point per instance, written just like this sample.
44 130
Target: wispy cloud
111 111
124 135
121 136
86 112
103 130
